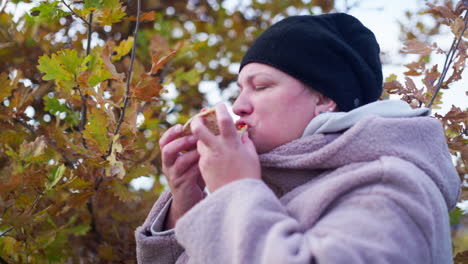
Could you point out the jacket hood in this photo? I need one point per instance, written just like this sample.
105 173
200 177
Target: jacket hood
410 135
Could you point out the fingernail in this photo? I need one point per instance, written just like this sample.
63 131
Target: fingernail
178 128
192 138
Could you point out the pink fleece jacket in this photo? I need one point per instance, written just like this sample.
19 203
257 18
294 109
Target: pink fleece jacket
380 192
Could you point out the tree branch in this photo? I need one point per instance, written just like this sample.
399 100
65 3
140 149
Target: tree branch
449 59
6 231
90 206
84 98
129 78
75 14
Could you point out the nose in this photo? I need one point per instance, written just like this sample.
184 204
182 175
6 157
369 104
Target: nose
242 105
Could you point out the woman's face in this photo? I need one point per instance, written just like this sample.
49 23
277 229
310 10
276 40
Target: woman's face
275 106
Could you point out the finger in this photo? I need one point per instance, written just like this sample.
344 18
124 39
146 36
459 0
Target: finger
170 152
201 147
225 122
171 134
202 132
186 161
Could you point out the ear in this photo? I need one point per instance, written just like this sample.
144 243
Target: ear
324 104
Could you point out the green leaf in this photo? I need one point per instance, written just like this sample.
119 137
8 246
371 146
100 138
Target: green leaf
55 176
54 106
49 11
79 230
71 62
53 69
456 216
93 4
98 71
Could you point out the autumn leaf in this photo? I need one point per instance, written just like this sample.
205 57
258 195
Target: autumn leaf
414 46
430 78
30 150
110 67
96 132
5 86
144 16
457 26
159 63
148 89
112 12
122 49
115 167
442 11
415 68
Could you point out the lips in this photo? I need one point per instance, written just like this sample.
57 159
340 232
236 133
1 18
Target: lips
240 124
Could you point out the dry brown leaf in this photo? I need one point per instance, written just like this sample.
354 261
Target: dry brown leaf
429 79
414 46
159 63
442 11
415 68
457 26
148 89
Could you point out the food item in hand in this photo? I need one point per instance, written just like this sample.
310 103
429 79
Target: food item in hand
209 115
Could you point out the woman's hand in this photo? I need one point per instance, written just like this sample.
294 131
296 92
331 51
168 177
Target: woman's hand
227 157
181 171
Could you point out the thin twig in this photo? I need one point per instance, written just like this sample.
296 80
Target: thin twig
75 14
6 231
68 162
90 32
129 78
449 60
90 206
84 98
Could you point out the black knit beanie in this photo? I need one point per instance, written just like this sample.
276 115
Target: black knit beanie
334 54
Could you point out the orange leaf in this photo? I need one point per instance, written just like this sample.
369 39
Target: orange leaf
414 46
145 16
159 63
148 89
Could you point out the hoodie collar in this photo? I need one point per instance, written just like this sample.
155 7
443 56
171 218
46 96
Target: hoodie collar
333 122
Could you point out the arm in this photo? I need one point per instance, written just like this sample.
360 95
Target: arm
243 222
154 245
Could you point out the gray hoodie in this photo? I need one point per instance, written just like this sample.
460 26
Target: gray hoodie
374 190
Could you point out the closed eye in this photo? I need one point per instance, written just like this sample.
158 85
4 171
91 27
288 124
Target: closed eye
260 87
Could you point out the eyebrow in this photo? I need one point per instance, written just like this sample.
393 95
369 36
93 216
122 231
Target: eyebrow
251 77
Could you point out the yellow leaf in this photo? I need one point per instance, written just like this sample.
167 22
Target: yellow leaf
123 49
96 130
5 86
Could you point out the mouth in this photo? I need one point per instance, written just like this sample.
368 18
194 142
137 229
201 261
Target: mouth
241 124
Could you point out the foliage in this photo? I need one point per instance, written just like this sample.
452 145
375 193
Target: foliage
76 129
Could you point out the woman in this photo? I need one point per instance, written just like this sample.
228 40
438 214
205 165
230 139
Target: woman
324 174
